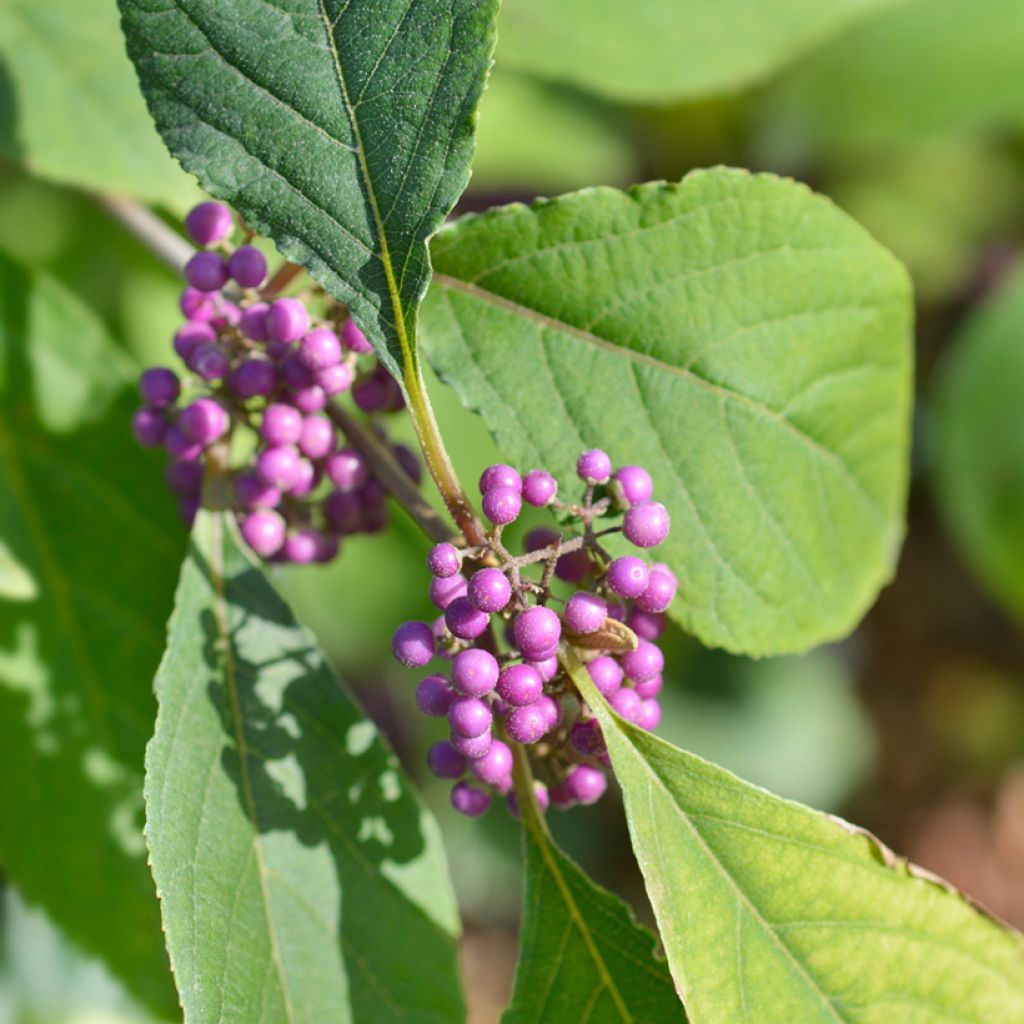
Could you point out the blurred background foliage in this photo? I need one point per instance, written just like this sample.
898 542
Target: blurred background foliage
910 114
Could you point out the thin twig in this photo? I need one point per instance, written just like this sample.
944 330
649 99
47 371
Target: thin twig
164 242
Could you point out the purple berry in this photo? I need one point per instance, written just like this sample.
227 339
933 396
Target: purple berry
626 703
585 613
648 688
659 593
190 336
646 525
434 696
540 792
319 349
472 746
606 674
574 567
317 438
209 361
548 668
279 467
354 339
254 321
500 475
645 662
302 546
469 717
628 576
188 509
646 625
537 632
180 447
527 724
264 532
444 560
519 685
539 488
370 394
197 305
594 466
347 470
248 266
648 715
474 672
413 644
159 387
282 424
343 511
333 380
502 505
287 320
203 421
538 539
636 484
184 478
149 427
295 374
252 378
495 766
586 736
208 223
551 710
444 591
464 620
306 479
252 493
445 761
585 785
207 271
309 400
228 315
406 458
489 590
469 800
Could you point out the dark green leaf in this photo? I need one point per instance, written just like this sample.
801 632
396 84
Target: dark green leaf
300 880
344 131
736 334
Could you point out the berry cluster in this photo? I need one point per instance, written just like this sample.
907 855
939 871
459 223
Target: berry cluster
267 367
508 686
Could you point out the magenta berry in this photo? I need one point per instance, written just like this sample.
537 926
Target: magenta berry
489 590
209 361
469 800
203 421
648 688
180 447
537 632
206 271
594 466
661 589
197 305
500 475
495 766
585 613
149 427
413 644
469 717
347 469
625 702
472 746
444 590
309 400
646 625
319 350
502 505
253 323
645 662
282 424
333 380
316 439
264 532
343 511
585 785
184 478
647 524
159 387
606 674
648 715
434 696
527 724
287 320
190 336
464 619
547 667
279 467
248 266
354 339
445 761
252 493
301 546
635 483
444 560
519 685
253 378
474 672
628 576
574 567
539 488
208 223
585 735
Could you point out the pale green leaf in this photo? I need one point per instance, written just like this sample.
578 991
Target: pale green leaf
978 443
662 50
344 131
736 334
299 878
86 519
69 106
775 913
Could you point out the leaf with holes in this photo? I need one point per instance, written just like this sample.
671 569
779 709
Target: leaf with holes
344 131
799 917
299 878
736 334
88 545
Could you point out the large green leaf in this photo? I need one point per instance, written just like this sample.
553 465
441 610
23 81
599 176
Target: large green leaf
736 334
583 957
978 443
917 69
772 912
662 50
90 550
344 131
69 109
300 880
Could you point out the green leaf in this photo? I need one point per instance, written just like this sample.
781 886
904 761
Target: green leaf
979 446
300 880
583 957
344 131
736 334
772 912
69 108
912 71
90 548
663 50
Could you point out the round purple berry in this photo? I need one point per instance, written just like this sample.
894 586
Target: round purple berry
309 400
626 703
254 322
159 387
209 361
527 724
434 696
445 761
551 710
190 336
333 380
547 667
585 613
469 800
306 478
540 792
500 475
537 632
354 339
197 305
586 737
279 467
519 685
203 421
648 715
347 469
228 315
469 716
248 266
628 576
606 674
636 484
370 394
208 223
413 644
445 590
646 625
264 532
184 478
180 447
539 488
282 424
252 493
585 785
474 672
646 525
574 567
648 688
253 378
343 511
594 466
659 593
502 505
206 271
645 662
317 437
301 546
489 590
495 766
444 560
406 458
464 619
149 427
287 320
295 374
472 746
319 349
